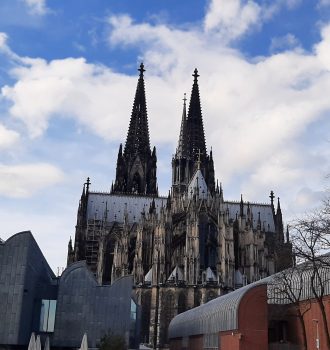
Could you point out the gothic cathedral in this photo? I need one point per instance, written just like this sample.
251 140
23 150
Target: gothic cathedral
183 249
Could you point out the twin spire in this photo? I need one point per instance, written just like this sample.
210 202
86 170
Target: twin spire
137 164
192 139
137 141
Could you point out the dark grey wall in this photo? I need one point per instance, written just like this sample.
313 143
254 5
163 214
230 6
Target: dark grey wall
24 276
85 306
82 304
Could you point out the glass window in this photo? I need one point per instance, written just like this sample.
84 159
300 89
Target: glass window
47 315
133 328
133 310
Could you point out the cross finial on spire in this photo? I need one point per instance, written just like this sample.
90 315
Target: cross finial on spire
141 69
195 75
88 182
184 98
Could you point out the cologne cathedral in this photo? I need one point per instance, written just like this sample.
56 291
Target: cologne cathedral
182 249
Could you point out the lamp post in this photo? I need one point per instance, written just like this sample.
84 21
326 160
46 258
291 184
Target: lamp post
317 334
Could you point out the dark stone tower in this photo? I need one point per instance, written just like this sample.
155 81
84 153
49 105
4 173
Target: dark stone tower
79 242
136 165
191 151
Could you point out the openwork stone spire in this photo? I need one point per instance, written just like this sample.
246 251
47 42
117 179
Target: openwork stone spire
137 141
195 129
136 165
182 145
191 151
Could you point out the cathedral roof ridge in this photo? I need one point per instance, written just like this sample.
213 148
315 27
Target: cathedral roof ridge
99 192
247 202
124 194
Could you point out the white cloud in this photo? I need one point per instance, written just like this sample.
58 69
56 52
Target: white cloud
293 173
322 49
231 19
286 42
5 49
25 180
8 137
3 40
274 7
36 7
307 198
324 3
92 94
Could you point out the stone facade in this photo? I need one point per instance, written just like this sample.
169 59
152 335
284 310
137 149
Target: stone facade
183 249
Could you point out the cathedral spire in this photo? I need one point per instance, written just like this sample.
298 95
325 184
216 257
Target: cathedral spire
279 222
195 129
191 152
182 145
136 164
137 141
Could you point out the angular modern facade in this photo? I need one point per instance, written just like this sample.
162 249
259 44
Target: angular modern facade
33 299
183 249
25 281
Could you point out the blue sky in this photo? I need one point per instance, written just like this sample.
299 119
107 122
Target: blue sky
67 82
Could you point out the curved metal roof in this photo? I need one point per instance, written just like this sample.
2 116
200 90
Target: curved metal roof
220 314
217 315
296 283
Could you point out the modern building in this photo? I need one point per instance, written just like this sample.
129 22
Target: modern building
237 320
183 249
33 299
262 315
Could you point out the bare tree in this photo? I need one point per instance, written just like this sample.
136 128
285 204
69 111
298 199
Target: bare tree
287 287
311 239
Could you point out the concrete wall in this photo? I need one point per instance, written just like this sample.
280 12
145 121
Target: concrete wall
25 277
84 306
